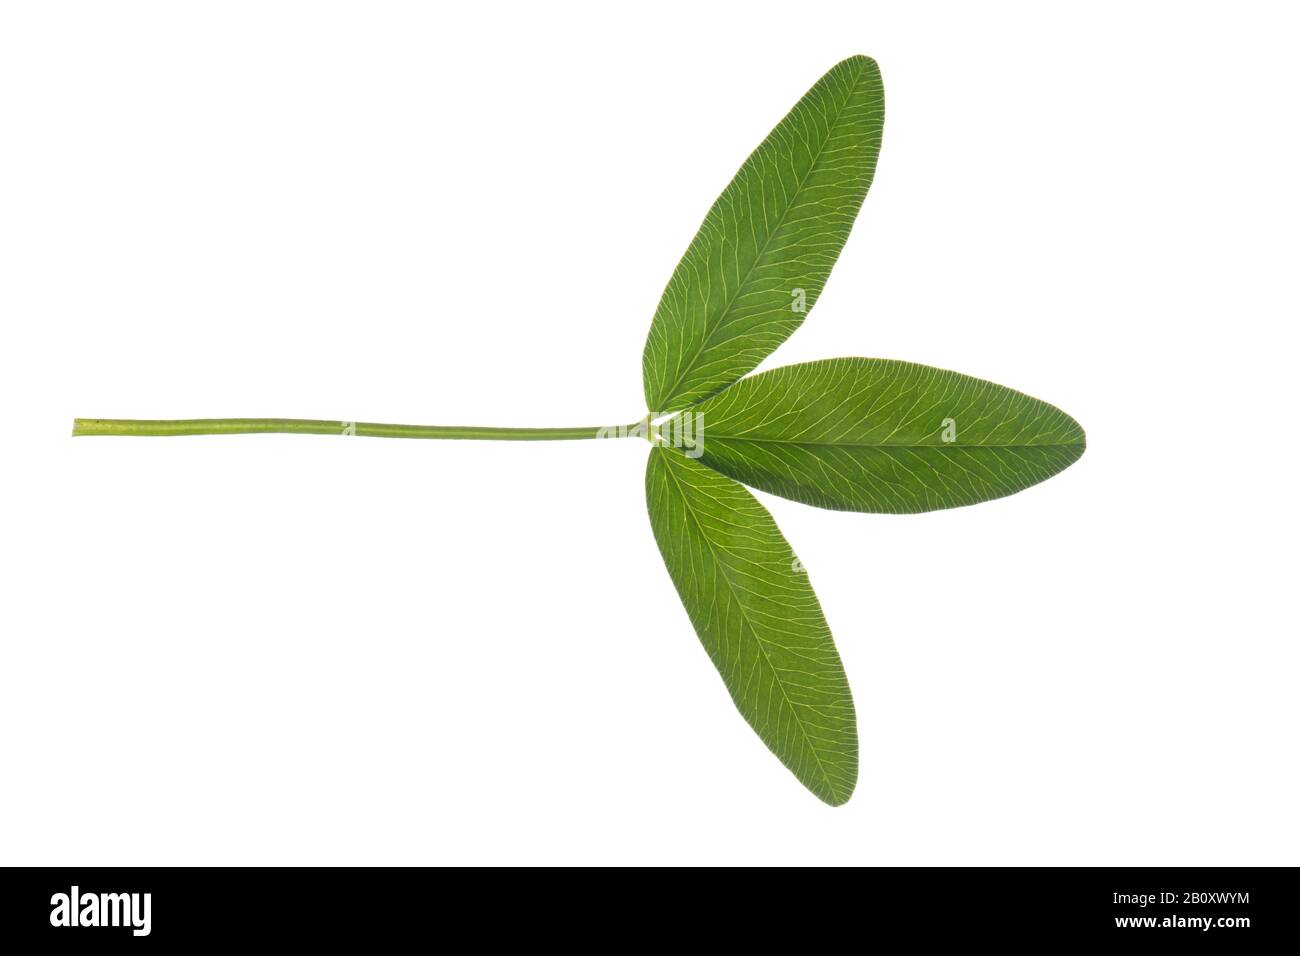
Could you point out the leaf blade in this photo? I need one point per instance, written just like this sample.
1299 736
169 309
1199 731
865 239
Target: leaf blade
778 226
758 619
857 434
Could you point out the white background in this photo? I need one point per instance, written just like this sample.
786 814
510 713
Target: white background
283 649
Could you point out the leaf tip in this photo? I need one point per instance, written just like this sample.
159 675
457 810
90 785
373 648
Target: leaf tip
837 799
861 59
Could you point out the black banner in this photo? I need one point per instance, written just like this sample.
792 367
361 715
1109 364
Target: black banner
143 907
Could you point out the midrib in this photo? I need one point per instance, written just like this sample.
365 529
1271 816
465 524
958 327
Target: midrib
948 446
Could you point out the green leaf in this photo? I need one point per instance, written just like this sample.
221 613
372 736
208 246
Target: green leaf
777 228
758 618
859 434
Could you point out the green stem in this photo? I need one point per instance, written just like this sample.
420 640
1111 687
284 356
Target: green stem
309 426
